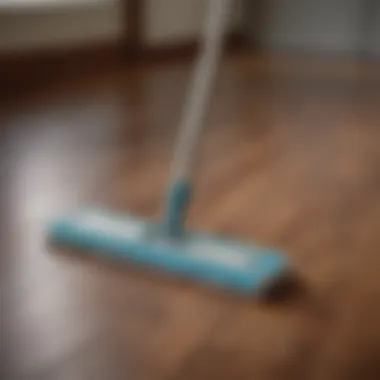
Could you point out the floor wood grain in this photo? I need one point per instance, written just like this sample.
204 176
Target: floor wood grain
290 157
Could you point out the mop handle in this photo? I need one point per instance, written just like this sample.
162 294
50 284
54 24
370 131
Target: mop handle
200 91
195 107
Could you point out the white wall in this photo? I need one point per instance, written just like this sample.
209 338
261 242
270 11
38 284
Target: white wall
373 38
318 25
314 24
36 24
171 21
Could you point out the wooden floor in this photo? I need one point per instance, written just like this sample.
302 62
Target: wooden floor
290 157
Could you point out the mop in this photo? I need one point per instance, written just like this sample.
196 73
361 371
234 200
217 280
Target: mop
166 244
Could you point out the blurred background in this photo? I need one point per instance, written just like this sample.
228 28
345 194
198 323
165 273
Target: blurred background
343 26
56 35
91 95
349 26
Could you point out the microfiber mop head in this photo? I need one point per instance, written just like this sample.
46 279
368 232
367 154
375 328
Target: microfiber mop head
216 260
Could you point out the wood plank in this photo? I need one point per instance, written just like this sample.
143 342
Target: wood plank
290 157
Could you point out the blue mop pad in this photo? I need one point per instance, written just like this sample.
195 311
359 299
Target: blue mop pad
217 260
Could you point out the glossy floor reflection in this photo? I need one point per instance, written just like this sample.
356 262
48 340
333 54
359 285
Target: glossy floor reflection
290 157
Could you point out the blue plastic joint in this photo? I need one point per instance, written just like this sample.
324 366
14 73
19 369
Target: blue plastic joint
176 207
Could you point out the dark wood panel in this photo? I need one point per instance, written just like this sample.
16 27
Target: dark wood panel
135 26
